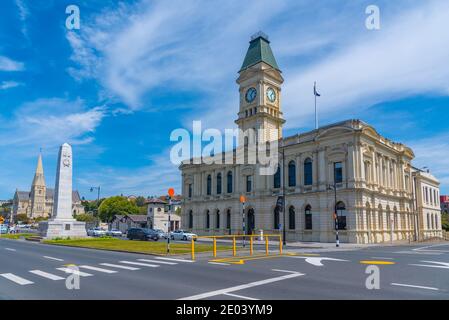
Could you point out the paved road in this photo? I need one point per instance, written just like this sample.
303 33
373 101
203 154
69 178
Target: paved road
34 271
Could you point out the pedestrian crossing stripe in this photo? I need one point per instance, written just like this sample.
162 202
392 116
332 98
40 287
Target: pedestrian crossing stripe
46 275
77 272
119 266
16 279
98 269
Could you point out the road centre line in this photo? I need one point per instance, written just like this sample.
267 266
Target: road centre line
53 258
239 296
119 266
382 258
46 275
241 287
16 279
173 259
219 263
414 286
157 261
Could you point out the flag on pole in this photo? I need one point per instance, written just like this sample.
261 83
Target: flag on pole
315 92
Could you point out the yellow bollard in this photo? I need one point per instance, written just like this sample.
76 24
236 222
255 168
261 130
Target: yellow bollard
215 247
193 249
280 244
233 247
266 245
250 245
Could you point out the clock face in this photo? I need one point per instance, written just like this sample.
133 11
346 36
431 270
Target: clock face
250 95
271 95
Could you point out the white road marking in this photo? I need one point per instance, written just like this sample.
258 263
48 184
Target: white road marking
140 264
413 286
80 273
220 263
10 249
282 270
46 275
16 279
172 259
52 258
239 296
241 287
316 261
442 265
420 253
98 269
156 261
119 266
382 258
435 245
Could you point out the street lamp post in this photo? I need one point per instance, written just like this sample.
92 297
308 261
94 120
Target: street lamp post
283 196
98 195
334 187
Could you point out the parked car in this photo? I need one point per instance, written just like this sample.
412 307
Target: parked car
3 228
142 234
162 234
114 233
182 235
96 232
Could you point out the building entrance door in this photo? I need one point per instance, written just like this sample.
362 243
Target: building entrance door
251 222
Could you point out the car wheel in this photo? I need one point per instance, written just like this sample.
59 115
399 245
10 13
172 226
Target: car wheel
184 238
173 238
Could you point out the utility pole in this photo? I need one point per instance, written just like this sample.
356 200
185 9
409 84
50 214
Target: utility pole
243 200
171 193
283 197
334 187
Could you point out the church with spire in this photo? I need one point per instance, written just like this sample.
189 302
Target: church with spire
38 202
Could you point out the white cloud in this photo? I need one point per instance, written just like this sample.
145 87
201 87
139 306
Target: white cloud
136 49
9 84
7 64
153 179
50 122
24 12
407 57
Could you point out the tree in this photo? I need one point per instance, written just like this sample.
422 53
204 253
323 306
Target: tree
84 217
22 217
91 206
116 205
140 201
445 221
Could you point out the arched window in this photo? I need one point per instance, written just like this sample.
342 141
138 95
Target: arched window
207 220
209 185
341 216
229 182
228 219
308 174
217 220
276 219
219 183
277 178
291 218
190 219
292 174
380 217
308 216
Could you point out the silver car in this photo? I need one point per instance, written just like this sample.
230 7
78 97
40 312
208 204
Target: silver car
114 233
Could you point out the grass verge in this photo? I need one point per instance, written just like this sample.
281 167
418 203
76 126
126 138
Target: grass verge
16 236
148 247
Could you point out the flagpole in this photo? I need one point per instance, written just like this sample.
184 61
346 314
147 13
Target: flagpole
316 115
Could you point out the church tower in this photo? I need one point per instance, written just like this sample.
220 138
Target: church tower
38 191
260 83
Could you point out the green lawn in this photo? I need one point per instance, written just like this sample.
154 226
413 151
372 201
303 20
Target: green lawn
152 247
16 236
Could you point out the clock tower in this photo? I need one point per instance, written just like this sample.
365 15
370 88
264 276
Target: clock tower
260 83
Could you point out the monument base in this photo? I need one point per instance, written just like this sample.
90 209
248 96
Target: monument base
62 228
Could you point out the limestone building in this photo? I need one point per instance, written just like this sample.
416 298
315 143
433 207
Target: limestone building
380 196
38 202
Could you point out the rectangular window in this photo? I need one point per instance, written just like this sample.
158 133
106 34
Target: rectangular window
308 221
249 183
190 190
338 172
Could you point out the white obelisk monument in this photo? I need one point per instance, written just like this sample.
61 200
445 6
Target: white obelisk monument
62 224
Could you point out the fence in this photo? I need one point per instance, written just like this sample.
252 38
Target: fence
234 239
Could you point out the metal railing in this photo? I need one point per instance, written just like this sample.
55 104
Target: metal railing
234 243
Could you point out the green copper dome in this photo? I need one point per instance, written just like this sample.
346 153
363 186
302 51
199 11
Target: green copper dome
259 51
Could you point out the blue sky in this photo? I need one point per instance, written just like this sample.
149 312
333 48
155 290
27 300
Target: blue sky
136 70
